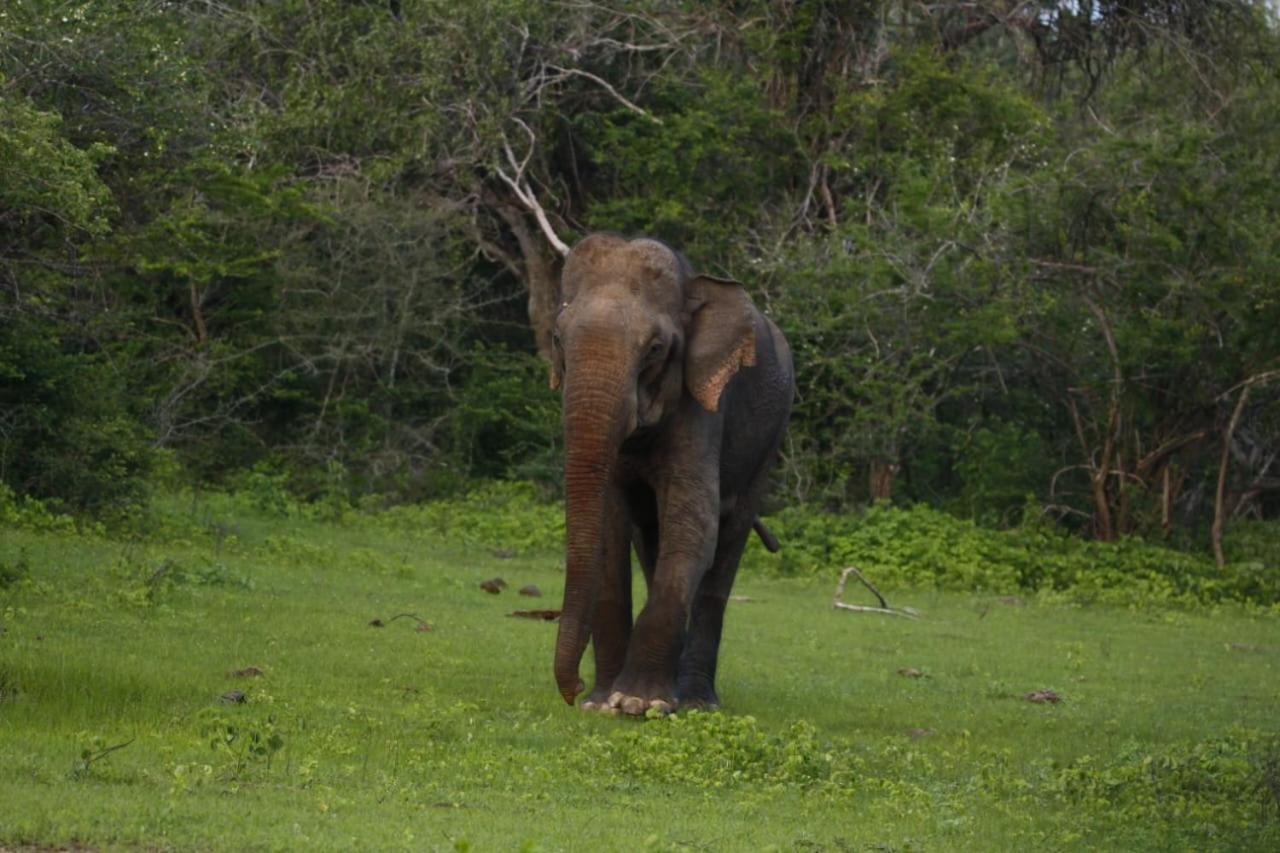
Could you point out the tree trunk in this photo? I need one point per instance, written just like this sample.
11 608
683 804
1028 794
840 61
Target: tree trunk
540 275
880 480
1219 502
197 313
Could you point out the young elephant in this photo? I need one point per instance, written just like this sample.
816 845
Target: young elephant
676 394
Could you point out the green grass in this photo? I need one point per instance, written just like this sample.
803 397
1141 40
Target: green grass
365 737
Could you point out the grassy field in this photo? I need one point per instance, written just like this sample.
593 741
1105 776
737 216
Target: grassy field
840 730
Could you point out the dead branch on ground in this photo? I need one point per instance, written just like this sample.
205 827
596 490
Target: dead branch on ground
884 607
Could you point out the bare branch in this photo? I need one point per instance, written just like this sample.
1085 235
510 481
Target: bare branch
1256 379
1215 533
884 607
1219 519
525 193
604 84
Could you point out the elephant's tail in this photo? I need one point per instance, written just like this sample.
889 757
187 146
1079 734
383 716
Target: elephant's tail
766 536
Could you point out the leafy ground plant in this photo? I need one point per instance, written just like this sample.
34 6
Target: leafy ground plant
271 712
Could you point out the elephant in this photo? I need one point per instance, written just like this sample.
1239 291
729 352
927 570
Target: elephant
675 392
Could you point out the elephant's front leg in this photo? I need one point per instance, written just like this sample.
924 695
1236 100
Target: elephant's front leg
686 542
697 681
611 625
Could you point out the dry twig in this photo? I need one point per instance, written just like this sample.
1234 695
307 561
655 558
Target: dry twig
884 607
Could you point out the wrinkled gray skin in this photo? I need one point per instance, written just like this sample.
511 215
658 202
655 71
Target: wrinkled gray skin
676 394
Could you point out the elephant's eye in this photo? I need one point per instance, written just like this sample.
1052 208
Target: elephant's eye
656 348
555 339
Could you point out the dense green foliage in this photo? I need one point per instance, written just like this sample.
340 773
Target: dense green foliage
914 548
115 651
1020 249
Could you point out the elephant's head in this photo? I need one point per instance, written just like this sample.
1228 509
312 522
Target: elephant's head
635 334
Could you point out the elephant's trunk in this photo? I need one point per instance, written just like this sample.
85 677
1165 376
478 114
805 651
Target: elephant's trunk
595 421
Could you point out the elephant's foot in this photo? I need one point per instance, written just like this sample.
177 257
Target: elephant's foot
599 708
700 703
636 697
638 706
598 700
698 697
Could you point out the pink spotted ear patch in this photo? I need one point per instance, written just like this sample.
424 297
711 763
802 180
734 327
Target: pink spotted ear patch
744 355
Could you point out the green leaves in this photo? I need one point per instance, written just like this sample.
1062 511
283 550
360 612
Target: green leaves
49 187
699 172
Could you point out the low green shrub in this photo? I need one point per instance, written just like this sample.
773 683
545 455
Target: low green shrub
71 433
1228 784
718 751
919 547
30 513
13 572
916 547
923 547
508 515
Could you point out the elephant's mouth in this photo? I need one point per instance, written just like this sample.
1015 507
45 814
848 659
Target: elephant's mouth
646 419
650 406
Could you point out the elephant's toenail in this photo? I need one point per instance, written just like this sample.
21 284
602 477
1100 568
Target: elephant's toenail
633 705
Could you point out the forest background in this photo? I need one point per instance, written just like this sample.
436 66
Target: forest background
1026 252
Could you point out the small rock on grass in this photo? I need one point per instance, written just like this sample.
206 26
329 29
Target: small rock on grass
233 697
247 672
493 586
531 590
545 615
420 624
919 733
1043 696
910 672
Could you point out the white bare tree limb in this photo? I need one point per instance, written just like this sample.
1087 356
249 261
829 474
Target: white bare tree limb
604 84
524 192
908 612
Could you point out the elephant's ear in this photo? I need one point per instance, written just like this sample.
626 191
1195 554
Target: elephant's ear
721 337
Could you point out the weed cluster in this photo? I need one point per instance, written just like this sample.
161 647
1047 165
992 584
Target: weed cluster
1227 786
718 751
145 584
14 571
28 513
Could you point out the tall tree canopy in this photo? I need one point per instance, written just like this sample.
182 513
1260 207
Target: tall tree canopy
1023 249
